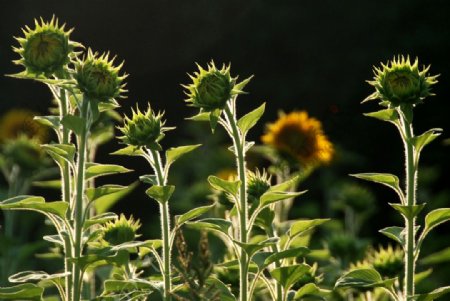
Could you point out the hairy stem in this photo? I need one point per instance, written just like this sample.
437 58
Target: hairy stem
243 206
165 226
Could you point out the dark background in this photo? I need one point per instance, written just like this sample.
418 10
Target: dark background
311 55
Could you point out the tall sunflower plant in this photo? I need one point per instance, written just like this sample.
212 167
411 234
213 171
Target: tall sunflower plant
268 265
84 85
400 86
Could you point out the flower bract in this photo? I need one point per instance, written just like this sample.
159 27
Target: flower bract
121 230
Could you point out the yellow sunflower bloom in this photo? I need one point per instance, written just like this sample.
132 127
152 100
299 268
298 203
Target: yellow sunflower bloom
300 137
16 123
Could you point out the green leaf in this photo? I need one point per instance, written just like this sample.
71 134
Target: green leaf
302 226
422 140
225 291
74 123
174 153
232 187
212 224
296 252
252 248
287 276
51 121
129 151
289 184
130 285
363 278
35 203
53 184
202 116
246 122
161 194
432 295
60 152
94 170
310 289
438 257
386 179
434 219
26 291
100 219
395 233
239 86
389 115
56 239
149 179
194 213
408 212
106 196
26 276
270 197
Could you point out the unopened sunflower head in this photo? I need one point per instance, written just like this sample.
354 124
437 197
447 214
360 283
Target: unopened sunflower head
98 78
121 230
144 129
257 184
300 137
18 122
211 88
400 82
46 49
24 152
387 261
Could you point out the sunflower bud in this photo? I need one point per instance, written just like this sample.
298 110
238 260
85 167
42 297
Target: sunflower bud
400 82
257 184
98 78
121 230
46 49
212 88
143 129
387 261
25 153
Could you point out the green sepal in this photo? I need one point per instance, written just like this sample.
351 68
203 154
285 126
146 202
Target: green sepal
211 224
35 203
74 123
246 122
252 248
386 179
202 116
100 219
389 115
174 153
94 170
161 194
302 226
432 295
60 152
237 88
408 212
129 151
231 187
287 276
395 233
363 278
26 291
191 214
372 96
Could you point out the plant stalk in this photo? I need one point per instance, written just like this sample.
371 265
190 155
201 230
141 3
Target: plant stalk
243 206
79 208
165 227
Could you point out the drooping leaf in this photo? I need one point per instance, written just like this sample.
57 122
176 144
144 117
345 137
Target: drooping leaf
287 276
161 194
26 291
35 203
174 153
60 152
225 291
232 187
246 122
301 226
27 276
94 170
386 179
212 224
311 290
432 295
194 213
129 151
395 233
51 121
408 212
363 278
74 123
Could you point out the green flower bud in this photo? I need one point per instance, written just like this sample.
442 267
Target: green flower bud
212 88
121 230
143 129
46 49
257 184
387 261
400 82
98 79
24 152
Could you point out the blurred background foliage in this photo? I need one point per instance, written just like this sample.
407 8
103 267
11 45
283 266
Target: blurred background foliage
305 55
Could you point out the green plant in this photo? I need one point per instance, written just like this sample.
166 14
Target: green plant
401 85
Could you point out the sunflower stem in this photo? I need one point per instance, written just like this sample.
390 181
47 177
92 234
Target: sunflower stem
243 208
